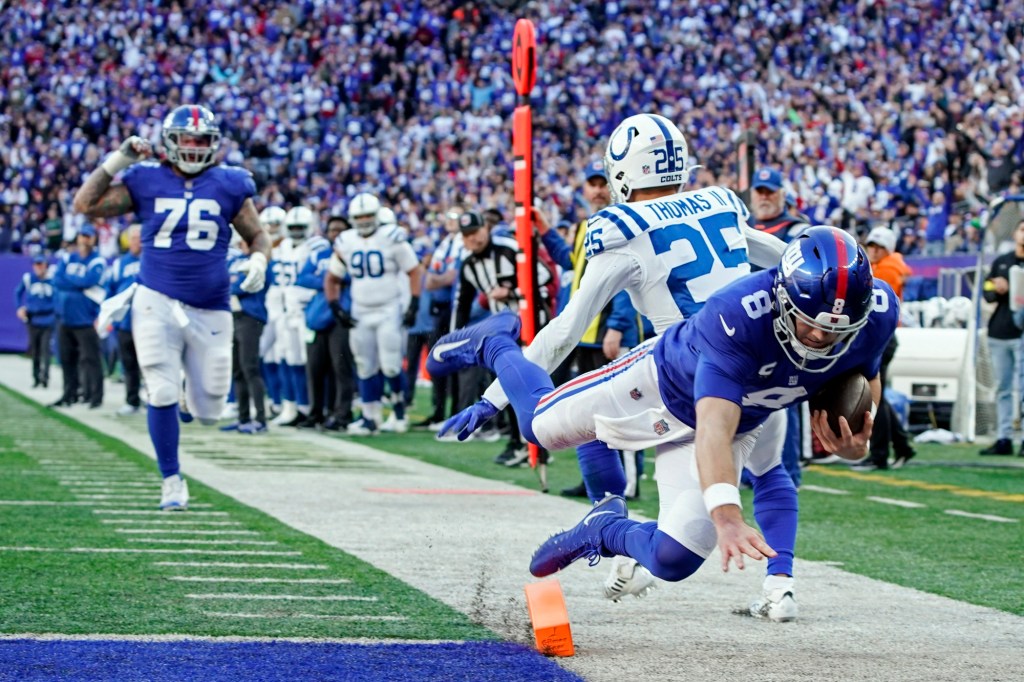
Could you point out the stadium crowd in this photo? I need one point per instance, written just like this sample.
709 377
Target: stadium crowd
907 116
874 112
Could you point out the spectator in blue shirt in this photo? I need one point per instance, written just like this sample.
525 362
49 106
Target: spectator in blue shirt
77 278
34 300
122 275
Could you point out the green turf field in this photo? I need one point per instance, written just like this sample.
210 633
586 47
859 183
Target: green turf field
84 550
976 560
65 569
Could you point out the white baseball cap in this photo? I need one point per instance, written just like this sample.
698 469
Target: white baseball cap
882 236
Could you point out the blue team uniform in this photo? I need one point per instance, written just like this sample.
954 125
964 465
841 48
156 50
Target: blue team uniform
186 227
711 355
122 275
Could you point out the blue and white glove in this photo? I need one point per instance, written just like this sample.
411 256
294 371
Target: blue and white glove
256 273
469 420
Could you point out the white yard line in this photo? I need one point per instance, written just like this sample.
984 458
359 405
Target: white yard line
276 597
318 616
823 489
225 541
260 581
897 503
172 550
229 564
983 517
159 512
185 531
182 520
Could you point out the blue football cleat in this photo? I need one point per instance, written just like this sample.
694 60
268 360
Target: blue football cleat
461 348
582 540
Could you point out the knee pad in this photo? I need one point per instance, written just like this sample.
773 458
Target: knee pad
671 560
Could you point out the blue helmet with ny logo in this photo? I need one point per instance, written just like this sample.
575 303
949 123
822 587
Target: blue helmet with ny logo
191 138
824 281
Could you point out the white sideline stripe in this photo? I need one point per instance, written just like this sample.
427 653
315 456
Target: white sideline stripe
277 597
101 503
185 531
823 489
897 503
228 564
983 517
89 483
180 521
225 541
159 511
57 637
121 550
321 616
127 498
288 581
46 503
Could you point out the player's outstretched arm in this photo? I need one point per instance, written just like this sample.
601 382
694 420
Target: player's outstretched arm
96 198
717 421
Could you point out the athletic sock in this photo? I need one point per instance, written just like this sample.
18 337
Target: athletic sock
165 432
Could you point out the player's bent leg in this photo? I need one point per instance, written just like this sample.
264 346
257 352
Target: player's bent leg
603 473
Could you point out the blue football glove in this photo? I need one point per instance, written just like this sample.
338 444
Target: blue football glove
469 420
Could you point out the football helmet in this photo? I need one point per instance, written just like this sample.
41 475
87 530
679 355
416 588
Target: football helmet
363 213
824 281
299 223
271 219
646 150
386 217
191 138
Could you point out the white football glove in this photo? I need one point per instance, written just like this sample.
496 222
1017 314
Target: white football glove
256 273
131 150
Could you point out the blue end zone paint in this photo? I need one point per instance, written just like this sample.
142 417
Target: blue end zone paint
78 661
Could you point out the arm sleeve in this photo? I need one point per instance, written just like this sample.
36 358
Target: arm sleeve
19 291
623 315
606 275
308 277
558 249
764 250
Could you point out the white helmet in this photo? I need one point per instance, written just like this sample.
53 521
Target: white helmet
271 220
646 150
363 213
299 223
386 217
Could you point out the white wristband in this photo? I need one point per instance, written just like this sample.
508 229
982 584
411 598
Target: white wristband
116 162
719 494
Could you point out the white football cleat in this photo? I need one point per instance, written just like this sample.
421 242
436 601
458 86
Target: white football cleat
776 603
627 577
288 413
362 427
174 494
394 425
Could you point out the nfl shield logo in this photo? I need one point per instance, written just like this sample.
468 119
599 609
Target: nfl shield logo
661 427
635 394
645 169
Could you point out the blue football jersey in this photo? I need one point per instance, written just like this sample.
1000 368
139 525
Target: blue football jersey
186 227
729 350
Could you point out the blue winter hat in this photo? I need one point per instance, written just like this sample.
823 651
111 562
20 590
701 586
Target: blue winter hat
88 230
39 258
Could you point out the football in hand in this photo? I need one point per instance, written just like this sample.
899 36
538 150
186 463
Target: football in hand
848 395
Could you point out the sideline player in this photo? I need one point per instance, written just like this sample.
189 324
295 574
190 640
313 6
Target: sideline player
700 394
670 250
181 315
375 260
